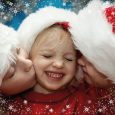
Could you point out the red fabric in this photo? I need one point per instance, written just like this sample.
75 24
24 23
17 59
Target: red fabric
70 101
110 14
65 25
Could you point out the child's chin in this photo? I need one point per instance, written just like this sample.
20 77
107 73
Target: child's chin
54 88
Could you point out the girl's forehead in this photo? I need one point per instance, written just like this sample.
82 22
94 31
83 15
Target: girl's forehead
64 43
53 35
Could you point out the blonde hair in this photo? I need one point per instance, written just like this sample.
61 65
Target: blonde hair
55 31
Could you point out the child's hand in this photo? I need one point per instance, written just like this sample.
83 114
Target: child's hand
21 77
92 76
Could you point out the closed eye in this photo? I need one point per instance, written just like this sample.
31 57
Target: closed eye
69 59
47 56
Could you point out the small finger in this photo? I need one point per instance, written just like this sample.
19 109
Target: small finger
22 53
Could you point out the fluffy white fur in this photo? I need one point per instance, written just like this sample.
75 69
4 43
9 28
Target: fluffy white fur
38 21
8 44
95 39
91 33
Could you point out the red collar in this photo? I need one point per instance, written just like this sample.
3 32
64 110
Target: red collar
53 97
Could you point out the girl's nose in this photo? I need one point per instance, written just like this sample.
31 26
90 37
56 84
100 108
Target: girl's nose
58 63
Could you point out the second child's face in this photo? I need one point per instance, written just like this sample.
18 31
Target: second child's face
54 61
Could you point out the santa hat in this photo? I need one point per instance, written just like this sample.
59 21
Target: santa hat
91 35
38 21
8 44
95 36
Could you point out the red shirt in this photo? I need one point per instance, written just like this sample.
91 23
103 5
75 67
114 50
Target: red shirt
69 101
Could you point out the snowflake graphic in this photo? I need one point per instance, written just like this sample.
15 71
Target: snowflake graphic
25 102
10 107
64 4
67 106
100 110
15 11
111 101
27 4
1 7
28 109
3 101
51 110
86 109
47 106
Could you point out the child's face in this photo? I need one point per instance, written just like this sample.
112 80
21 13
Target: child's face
54 60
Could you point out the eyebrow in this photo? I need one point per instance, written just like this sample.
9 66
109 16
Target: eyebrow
50 50
47 50
69 53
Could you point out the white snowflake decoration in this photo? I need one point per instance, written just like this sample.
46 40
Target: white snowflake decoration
51 110
111 101
100 110
25 102
67 106
10 107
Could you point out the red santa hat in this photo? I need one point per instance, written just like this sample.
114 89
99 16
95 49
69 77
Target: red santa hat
8 44
95 36
90 30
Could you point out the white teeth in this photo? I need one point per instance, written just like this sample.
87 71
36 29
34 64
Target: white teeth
54 75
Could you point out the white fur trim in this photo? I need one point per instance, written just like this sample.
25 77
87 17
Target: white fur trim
8 44
95 38
38 21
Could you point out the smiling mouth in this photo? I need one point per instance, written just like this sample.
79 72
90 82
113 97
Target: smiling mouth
55 75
